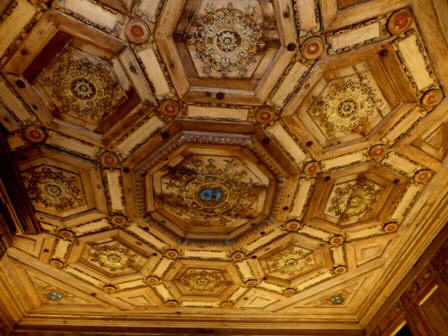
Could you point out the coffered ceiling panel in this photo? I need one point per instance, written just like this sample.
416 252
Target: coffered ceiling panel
273 163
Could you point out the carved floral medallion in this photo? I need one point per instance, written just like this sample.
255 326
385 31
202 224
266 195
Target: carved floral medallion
112 257
353 200
210 191
347 106
54 188
227 40
83 88
291 261
202 280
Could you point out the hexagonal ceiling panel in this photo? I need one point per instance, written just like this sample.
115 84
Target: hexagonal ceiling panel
196 160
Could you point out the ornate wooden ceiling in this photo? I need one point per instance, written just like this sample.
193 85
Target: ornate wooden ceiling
277 164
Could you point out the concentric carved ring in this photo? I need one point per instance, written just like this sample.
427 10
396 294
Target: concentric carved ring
265 115
56 263
422 175
34 134
337 240
66 234
109 159
390 227
432 98
313 48
312 168
171 254
238 256
340 269
226 304
152 280
137 31
399 22
171 303
293 226
170 108
251 283
377 151
110 289
119 220
289 292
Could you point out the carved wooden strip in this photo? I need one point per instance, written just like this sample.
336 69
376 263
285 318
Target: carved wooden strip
199 304
307 16
147 237
148 8
404 124
61 249
155 72
132 284
217 112
92 12
144 132
344 160
70 144
271 287
163 291
314 232
353 37
415 62
406 200
364 233
301 197
114 189
14 23
401 163
205 254
13 103
289 83
287 142
94 226
263 240
11 126
239 293
162 267
245 269
84 276
338 255
309 282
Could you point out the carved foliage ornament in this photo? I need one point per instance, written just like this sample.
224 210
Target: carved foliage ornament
54 188
291 261
113 257
209 193
346 106
86 89
202 280
354 199
227 40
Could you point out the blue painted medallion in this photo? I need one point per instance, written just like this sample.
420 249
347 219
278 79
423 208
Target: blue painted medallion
211 195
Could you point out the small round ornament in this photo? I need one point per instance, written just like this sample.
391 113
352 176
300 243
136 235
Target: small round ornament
432 98
312 168
152 280
171 254
313 48
119 220
35 134
171 303
170 108
377 151
66 234
399 22
137 31
251 283
56 263
340 269
226 304
110 289
109 159
390 227
293 225
265 115
422 176
289 292
238 256
337 240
